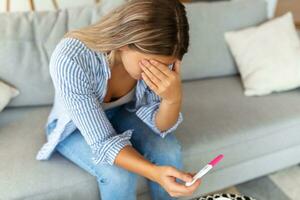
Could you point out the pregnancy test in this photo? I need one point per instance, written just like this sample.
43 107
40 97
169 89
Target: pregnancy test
205 169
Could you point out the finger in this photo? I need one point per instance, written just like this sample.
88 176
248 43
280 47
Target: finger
176 194
152 77
181 175
151 85
181 188
195 185
162 67
156 71
192 174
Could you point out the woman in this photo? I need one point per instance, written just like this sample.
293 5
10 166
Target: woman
118 98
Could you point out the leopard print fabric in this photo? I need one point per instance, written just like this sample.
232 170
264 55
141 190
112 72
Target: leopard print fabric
229 196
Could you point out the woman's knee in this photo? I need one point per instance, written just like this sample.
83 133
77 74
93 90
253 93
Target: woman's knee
165 151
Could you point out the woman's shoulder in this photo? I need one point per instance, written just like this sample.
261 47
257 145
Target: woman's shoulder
74 50
70 47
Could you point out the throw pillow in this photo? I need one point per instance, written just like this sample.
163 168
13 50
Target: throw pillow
267 56
6 94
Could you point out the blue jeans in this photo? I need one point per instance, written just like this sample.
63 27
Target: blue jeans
115 182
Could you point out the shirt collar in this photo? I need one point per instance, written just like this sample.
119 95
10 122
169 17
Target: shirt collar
105 70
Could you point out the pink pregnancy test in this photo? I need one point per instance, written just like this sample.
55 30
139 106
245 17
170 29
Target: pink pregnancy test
205 169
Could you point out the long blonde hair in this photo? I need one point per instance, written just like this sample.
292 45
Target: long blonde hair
148 26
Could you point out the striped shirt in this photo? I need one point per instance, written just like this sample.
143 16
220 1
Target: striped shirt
80 76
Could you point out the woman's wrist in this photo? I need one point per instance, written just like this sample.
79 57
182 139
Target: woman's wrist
154 174
129 158
172 102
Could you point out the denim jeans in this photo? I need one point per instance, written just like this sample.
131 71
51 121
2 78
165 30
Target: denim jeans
115 182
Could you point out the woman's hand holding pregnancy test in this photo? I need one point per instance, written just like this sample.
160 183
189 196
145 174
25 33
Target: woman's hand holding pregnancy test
205 169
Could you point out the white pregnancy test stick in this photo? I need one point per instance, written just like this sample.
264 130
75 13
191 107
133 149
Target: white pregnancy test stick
205 169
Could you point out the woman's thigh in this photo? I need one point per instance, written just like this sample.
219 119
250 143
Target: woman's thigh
161 151
76 149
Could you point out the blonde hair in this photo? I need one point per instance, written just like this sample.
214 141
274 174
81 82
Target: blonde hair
148 26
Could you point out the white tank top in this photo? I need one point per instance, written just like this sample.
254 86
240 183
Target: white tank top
122 100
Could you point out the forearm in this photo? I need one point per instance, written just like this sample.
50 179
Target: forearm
130 159
167 114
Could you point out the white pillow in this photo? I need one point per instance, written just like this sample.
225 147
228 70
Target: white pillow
6 94
267 55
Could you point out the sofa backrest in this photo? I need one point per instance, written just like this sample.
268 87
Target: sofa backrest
27 40
208 55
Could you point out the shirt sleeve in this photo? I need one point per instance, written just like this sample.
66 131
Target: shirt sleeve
147 113
74 88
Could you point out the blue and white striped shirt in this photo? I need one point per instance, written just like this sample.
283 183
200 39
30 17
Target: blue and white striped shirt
80 78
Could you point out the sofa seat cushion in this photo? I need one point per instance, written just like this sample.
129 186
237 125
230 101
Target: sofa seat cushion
219 118
22 176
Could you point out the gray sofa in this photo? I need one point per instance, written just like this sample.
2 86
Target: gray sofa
257 135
